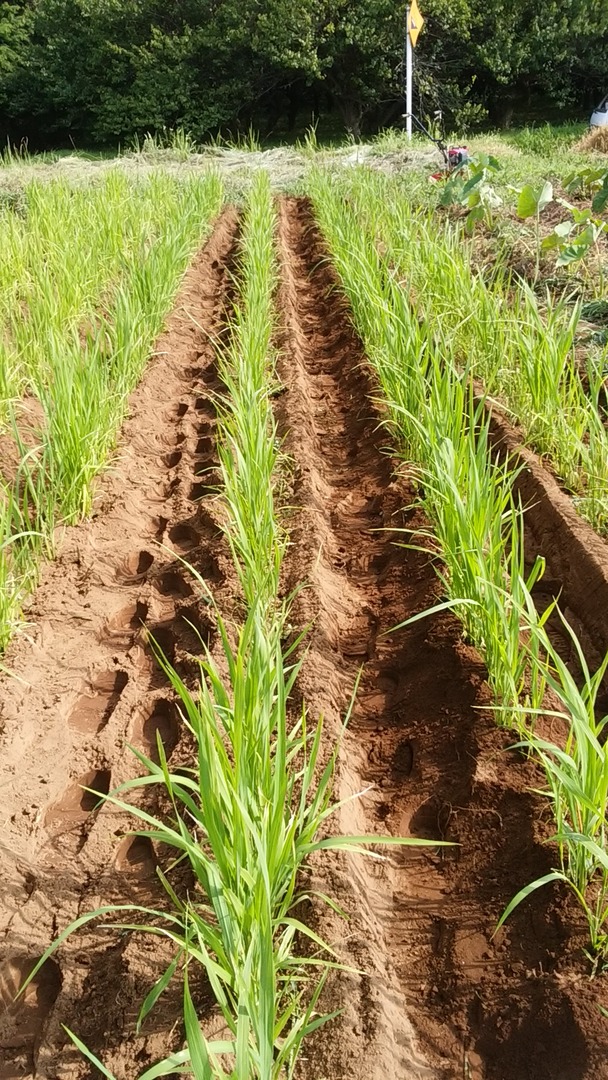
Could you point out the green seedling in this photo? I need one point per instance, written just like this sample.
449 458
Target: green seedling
531 202
474 192
87 276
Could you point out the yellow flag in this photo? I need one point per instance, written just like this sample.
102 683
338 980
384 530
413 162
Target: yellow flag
415 22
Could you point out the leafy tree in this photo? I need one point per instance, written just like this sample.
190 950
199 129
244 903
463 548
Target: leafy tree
105 70
504 54
362 56
15 29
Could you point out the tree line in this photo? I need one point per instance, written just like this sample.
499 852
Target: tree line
98 72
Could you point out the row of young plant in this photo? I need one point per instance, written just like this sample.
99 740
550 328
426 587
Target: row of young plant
495 328
254 806
87 276
476 524
574 239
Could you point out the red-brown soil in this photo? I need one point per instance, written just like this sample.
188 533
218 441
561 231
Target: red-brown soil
86 685
435 996
576 557
441 997
573 549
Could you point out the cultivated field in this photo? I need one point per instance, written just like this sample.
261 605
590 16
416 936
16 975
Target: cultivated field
302 716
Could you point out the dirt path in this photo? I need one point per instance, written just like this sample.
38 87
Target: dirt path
437 998
440 999
88 685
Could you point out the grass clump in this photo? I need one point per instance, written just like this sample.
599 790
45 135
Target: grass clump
594 140
521 347
475 519
87 277
577 787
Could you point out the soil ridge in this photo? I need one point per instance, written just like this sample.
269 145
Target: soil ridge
86 684
440 998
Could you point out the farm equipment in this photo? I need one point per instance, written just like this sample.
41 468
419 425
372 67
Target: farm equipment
454 157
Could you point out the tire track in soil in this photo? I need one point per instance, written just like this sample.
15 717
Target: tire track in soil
440 998
89 685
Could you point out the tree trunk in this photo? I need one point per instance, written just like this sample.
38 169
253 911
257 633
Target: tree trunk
351 112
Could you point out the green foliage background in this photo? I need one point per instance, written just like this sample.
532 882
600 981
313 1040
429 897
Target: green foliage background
99 71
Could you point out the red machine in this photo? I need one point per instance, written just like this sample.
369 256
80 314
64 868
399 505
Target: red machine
454 156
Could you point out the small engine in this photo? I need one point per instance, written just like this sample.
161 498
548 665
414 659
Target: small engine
457 156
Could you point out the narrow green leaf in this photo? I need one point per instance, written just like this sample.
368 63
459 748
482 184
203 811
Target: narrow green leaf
445 605
338 843
156 991
87 1053
555 875
199 1057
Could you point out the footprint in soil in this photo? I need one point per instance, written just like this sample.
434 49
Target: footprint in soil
209 483
136 857
196 629
196 532
205 447
173 459
399 765
135 567
162 638
403 760
21 1021
94 708
164 491
205 407
161 527
125 622
70 818
160 720
184 538
431 819
188 632
200 491
209 569
173 583
358 636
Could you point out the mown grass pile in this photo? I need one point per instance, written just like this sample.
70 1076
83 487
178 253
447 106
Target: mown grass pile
87 277
476 521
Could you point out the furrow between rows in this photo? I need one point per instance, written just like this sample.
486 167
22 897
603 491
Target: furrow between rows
88 684
436 984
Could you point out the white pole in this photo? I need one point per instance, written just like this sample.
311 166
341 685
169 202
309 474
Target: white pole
408 74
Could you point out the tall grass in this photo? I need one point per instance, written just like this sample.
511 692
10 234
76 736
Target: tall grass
249 445
522 349
545 139
87 277
474 516
255 804
576 769
477 524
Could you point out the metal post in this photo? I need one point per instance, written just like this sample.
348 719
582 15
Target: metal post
409 57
